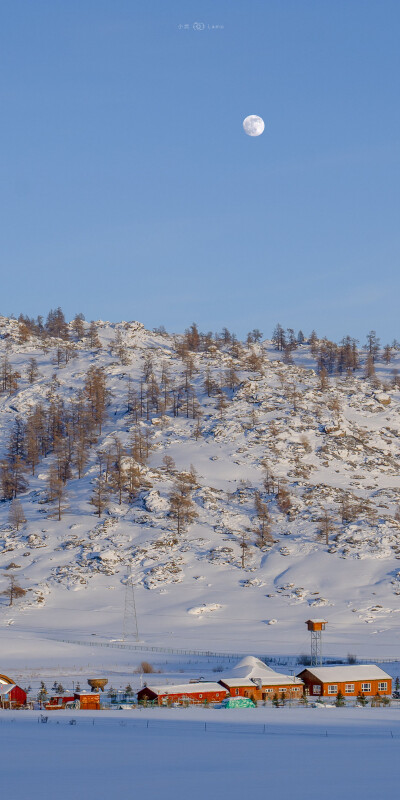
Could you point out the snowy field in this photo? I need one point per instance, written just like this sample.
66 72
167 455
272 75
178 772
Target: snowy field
202 753
192 590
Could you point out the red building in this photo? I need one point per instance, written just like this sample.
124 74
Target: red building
58 701
351 680
11 695
198 693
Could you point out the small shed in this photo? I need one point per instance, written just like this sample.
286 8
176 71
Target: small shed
351 680
316 624
198 693
88 701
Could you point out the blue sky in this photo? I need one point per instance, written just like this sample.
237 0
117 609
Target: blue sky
129 191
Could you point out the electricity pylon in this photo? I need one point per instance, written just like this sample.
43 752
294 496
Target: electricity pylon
130 629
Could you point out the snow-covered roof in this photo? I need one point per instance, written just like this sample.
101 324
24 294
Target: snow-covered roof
251 669
353 672
187 688
273 679
5 688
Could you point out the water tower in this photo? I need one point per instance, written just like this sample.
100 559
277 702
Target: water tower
316 626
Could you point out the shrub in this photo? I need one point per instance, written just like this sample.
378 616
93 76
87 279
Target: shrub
339 699
361 699
145 667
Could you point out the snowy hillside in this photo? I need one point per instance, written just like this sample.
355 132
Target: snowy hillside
245 491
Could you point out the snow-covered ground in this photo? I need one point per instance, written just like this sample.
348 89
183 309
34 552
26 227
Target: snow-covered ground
193 592
307 754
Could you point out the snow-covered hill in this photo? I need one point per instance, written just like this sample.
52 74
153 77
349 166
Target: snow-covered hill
257 433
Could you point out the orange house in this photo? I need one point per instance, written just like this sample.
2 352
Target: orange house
352 680
264 689
252 678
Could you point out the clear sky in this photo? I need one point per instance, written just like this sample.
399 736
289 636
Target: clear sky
129 190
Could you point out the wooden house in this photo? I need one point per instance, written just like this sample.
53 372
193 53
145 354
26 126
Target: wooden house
351 680
254 679
11 695
88 701
199 693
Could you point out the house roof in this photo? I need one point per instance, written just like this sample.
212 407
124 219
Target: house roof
5 688
186 688
251 669
275 679
353 672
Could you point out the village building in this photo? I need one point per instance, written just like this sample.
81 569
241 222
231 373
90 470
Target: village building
351 681
59 701
88 701
200 693
254 679
11 695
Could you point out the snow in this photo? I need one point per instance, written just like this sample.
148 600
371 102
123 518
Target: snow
6 688
193 593
198 753
181 688
353 672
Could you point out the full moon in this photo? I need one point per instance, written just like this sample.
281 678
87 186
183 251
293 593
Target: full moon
253 125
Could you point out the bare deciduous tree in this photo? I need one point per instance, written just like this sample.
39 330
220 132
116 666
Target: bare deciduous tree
13 591
16 516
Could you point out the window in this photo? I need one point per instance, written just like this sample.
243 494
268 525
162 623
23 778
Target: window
316 688
365 687
236 691
349 688
282 691
382 686
200 695
332 688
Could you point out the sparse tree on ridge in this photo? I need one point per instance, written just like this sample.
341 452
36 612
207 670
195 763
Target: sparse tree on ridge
16 516
327 526
182 507
100 495
13 591
57 493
